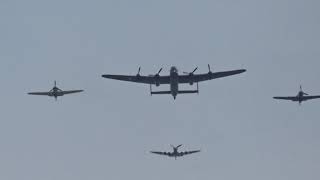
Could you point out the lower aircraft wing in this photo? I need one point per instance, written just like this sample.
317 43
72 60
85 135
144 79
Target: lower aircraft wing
292 98
71 92
310 97
188 152
161 153
40 93
208 76
140 79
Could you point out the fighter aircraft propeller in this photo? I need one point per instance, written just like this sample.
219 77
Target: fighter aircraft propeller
302 91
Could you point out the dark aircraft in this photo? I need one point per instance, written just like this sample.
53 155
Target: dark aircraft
55 92
174 79
175 152
302 96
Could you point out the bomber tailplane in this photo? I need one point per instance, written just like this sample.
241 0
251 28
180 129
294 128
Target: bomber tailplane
188 92
160 92
179 92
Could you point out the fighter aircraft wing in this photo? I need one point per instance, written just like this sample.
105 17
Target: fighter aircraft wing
310 97
71 92
292 98
208 76
140 79
161 153
40 93
188 152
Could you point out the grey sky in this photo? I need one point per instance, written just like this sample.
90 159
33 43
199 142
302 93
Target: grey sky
107 131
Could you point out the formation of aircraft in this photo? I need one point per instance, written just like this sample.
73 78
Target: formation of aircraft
175 152
55 92
302 96
174 79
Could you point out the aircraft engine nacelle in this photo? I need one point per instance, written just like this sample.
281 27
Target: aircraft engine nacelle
157 78
191 81
157 82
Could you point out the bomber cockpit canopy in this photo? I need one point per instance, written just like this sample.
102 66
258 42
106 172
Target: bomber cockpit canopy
173 70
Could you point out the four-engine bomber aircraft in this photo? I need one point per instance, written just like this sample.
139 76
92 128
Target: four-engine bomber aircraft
55 92
302 96
175 152
174 79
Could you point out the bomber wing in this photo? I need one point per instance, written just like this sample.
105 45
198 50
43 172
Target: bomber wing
188 152
208 76
140 79
162 153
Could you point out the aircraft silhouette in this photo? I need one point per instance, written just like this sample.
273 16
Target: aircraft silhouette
302 96
55 92
175 152
174 79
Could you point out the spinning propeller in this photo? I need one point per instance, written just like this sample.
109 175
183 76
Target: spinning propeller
191 81
158 74
302 91
175 147
191 73
138 74
210 72
156 77
55 87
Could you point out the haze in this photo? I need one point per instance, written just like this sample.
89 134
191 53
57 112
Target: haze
107 131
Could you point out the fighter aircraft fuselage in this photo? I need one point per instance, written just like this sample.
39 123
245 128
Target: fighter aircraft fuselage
56 92
300 96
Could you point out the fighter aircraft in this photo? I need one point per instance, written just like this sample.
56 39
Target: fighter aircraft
302 96
55 92
174 79
175 152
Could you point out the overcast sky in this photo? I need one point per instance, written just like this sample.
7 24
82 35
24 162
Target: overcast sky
107 131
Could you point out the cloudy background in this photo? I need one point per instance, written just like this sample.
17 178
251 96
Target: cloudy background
107 131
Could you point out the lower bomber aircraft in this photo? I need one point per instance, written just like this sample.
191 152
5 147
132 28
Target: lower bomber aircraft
302 96
55 92
175 152
174 79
